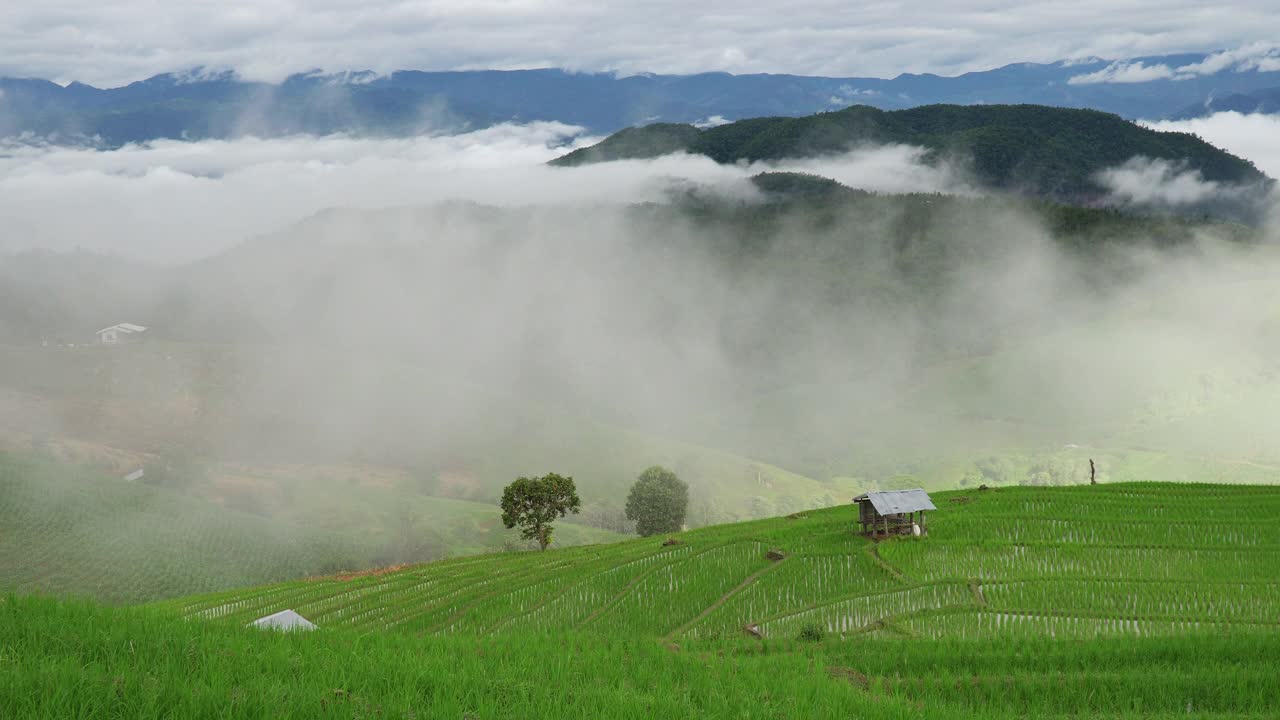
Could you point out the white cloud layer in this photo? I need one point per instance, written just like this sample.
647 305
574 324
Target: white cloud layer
117 42
1255 57
1147 181
1260 57
174 201
1124 72
1253 137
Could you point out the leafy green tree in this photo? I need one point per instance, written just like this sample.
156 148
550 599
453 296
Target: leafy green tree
657 502
533 503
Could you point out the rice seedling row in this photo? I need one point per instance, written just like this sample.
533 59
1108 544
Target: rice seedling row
581 601
1255 602
803 582
859 613
676 593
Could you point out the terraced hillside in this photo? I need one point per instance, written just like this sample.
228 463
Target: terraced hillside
69 530
1089 561
1125 600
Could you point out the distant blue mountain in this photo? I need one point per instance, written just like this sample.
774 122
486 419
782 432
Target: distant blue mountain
197 105
1265 101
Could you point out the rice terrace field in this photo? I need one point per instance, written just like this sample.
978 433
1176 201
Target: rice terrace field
1121 600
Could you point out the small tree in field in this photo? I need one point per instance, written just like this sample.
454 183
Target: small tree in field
533 503
657 502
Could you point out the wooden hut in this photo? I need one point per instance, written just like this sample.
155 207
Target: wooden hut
893 512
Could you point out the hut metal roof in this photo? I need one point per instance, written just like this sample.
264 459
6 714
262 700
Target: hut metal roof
896 502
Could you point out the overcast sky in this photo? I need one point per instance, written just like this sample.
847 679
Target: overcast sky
111 43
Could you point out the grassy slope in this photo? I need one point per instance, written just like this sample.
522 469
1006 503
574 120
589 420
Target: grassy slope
69 530
70 660
854 584
1164 602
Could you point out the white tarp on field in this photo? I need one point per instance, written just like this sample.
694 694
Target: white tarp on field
284 620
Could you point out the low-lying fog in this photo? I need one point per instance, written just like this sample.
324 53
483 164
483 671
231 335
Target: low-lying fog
412 329
172 201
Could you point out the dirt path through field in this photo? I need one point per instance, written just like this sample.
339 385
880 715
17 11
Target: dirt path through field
874 552
635 581
725 597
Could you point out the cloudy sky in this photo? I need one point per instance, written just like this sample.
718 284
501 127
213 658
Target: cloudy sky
111 43
212 191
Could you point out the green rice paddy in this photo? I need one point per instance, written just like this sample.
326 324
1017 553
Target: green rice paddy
1124 600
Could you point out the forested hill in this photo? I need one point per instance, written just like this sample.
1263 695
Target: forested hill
1055 152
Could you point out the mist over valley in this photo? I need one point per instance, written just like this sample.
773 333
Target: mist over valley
464 313
591 392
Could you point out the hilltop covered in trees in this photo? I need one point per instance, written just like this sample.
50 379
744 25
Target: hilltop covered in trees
1048 151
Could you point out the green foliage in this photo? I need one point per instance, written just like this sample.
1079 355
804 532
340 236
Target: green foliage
658 502
803 186
534 503
647 141
811 632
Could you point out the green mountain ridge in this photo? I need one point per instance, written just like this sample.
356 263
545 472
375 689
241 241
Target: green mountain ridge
1047 151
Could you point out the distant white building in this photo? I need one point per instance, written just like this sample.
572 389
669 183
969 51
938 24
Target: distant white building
116 334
